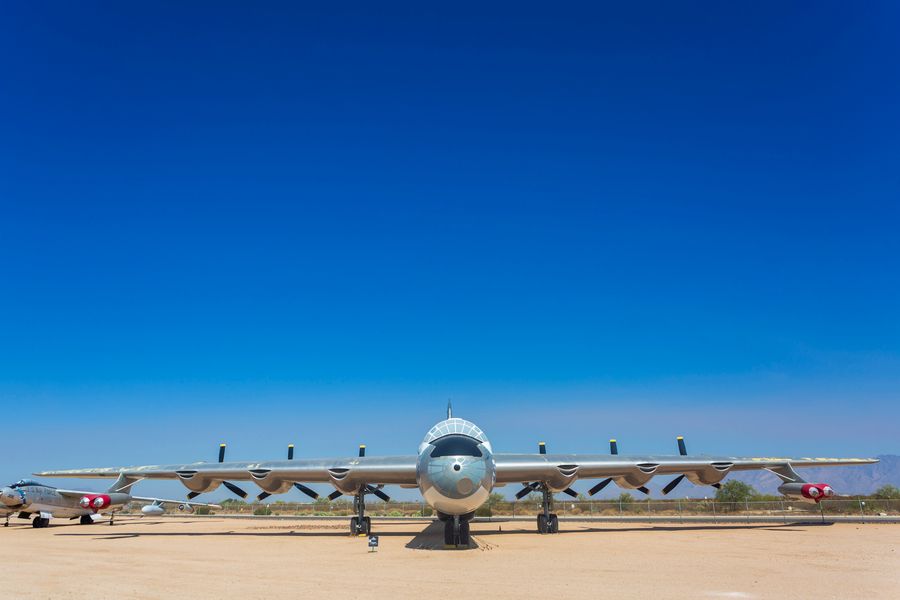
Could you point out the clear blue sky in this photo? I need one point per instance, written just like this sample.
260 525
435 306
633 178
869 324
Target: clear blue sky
283 223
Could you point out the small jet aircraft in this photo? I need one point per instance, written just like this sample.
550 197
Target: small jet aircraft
456 469
28 497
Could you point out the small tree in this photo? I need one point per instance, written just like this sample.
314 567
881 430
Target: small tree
487 509
734 494
887 492
625 498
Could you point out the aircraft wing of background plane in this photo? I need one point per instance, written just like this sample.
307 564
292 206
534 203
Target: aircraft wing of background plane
174 502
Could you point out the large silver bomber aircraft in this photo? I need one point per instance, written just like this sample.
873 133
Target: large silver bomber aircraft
456 469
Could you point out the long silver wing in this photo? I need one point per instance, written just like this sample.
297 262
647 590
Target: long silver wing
176 502
559 470
346 474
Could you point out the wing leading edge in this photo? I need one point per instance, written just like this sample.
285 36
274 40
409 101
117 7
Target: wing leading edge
271 476
560 470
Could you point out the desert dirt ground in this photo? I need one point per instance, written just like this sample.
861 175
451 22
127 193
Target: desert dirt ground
261 558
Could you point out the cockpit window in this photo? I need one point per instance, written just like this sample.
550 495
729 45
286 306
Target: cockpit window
28 483
455 445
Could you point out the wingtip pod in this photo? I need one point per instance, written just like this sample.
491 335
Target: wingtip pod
812 492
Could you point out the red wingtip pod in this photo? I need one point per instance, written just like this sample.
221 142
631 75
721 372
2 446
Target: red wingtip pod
813 492
817 491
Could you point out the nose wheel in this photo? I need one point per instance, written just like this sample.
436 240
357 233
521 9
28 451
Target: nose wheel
456 531
40 522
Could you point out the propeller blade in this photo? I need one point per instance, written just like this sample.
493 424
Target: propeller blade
717 485
309 492
526 490
335 494
362 450
221 452
262 496
192 495
643 490
235 489
671 485
613 447
379 493
570 492
599 486
542 448
290 452
682 450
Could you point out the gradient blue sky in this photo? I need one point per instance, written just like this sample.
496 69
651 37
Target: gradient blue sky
288 223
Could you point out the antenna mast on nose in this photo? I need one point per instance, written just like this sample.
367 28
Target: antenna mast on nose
449 409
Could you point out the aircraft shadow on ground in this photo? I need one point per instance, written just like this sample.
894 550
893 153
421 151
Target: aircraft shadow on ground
429 538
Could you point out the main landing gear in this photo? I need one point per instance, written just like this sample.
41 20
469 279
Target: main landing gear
456 529
547 521
360 524
86 520
39 522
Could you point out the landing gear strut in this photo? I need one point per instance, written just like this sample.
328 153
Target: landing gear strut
6 524
86 520
456 530
112 517
547 521
360 524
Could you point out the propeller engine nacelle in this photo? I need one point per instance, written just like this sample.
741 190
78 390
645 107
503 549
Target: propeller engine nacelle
186 508
808 492
153 510
197 483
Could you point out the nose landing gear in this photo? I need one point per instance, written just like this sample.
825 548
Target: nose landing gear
456 530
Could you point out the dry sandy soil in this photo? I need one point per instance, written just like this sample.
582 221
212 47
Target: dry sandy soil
259 558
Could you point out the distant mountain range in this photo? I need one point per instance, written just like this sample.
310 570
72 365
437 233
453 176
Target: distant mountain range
852 480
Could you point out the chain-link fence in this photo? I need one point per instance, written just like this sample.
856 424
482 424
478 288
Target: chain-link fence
673 510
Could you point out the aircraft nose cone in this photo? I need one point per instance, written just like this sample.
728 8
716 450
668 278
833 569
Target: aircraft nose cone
9 497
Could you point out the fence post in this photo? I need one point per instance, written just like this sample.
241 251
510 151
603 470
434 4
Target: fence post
747 508
715 518
862 510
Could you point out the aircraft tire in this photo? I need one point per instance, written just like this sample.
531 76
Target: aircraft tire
39 522
553 525
86 520
542 524
354 526
463 533
367 525
449 533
